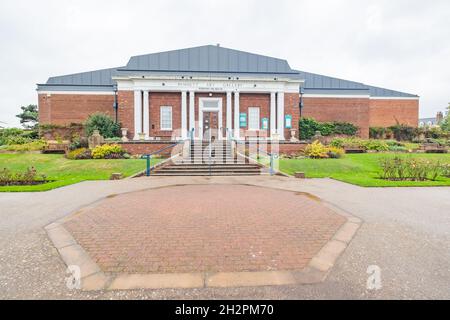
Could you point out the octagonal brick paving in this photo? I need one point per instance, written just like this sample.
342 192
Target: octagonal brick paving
204 228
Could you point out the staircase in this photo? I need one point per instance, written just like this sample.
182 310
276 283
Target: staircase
205 159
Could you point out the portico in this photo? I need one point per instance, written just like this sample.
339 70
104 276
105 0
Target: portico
197 96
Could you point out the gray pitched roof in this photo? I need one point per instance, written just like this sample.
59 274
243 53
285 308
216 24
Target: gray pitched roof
315 82
214 60
381 92
208 59
101 77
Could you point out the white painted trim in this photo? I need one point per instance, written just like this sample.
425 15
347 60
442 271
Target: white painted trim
229 123
161 118
273 115
280 110
183 115
106 93
394 98
342 96
146 116
137 114
210 85
191 111
236 116
259 119
200 115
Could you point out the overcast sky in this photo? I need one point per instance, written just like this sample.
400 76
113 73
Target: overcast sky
399 44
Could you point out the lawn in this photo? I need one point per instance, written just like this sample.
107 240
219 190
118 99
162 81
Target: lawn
64 172
359 169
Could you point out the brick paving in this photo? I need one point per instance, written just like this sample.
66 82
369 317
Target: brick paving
204 228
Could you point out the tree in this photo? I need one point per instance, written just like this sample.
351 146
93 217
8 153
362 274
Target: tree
445 124
29 117
104 124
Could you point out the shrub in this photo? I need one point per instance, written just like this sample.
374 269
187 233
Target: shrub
36 145
80 153
335 153
308 128
104 124
348 143
375 145
108 151
17 136
446 170
377 132
403 132
27 177
317 150
401 169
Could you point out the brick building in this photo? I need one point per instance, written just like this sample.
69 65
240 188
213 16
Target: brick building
175 94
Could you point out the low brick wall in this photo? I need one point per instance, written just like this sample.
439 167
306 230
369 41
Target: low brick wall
138 147
143 147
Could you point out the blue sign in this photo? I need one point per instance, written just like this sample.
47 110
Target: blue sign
264 123
243 120
288 121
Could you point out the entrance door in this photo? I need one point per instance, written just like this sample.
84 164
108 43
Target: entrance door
210 125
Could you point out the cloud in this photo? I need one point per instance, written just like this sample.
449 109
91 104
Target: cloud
401 44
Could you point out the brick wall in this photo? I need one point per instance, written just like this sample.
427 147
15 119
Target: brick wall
126 111
291 102
63 109
149 147
158 99
256 100
352 110
385 113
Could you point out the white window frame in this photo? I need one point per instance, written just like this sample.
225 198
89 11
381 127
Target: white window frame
259 119
161 110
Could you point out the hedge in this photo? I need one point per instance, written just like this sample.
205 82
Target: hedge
309 126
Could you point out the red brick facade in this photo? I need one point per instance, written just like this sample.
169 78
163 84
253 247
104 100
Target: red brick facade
385 113
63 109
351 110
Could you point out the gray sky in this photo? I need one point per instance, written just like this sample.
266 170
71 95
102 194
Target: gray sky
399 44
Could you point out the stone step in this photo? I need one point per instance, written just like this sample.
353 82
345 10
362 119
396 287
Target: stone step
206 174
193 168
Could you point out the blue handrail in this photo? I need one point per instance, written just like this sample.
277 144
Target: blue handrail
148 156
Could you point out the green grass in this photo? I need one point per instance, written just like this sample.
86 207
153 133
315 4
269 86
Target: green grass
64 172
359 169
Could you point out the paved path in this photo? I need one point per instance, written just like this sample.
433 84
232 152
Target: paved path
406 233
205 228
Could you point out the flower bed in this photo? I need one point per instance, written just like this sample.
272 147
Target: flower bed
105 151
27 178
411 169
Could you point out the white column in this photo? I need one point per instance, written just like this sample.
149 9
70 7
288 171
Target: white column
280 106
137 114
192 111
236 115
273 115
229 115
183 115
146 115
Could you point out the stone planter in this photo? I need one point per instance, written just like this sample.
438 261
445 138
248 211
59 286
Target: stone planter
124 134
141 136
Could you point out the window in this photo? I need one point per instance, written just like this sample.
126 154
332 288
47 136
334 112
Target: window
253 118
166 118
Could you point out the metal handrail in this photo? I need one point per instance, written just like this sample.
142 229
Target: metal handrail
209 156
148 156
270 154
191 145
